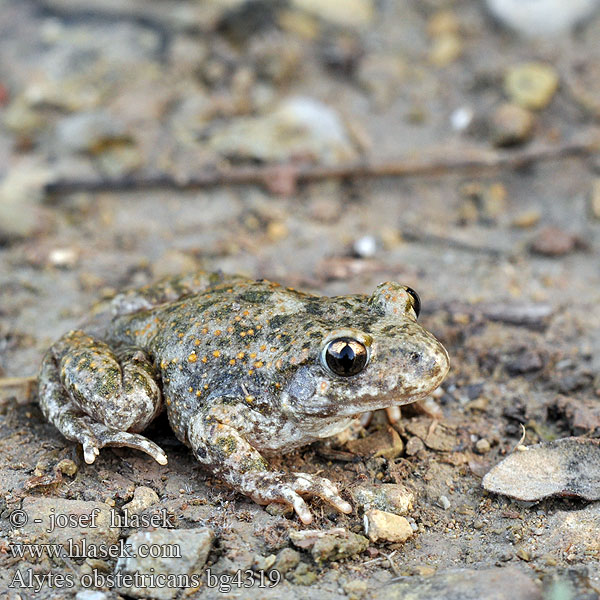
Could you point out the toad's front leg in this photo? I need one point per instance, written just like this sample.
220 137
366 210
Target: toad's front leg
99 397
225 451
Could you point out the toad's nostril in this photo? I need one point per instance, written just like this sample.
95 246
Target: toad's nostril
414 357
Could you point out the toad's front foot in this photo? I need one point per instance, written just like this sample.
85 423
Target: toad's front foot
288 488
226 452
98 435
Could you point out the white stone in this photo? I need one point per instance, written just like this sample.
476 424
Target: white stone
537 18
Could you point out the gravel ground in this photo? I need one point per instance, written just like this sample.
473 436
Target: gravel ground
111 110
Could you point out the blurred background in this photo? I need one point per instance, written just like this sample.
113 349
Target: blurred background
451 145
323 144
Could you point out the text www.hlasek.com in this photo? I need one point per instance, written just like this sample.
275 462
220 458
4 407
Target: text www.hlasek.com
83 549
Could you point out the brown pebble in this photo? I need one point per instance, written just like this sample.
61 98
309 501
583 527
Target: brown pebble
523 554
143 498
552 241
380 525
482 446
529 361
414 446
511 125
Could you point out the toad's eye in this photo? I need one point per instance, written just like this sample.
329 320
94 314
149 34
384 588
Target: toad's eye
346 356
416 301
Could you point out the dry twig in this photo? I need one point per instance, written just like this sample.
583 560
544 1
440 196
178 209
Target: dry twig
283 179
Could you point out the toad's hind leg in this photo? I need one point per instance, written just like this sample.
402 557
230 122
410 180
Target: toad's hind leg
98 397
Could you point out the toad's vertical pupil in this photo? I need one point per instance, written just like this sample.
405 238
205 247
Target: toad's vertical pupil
346 356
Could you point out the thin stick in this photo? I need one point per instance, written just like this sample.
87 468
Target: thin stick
285 177
523 436
392 563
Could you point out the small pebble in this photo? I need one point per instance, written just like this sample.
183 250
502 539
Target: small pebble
298 126
39 511
445 49
365 247
526 362
389 497
443 502
541 18
304 575
329 545
380 525
143 498
567 467
277 231
21 192
65 258
263 563
552 241
524 554
482 446
67 467
531 85
511 125
461 118
414 446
